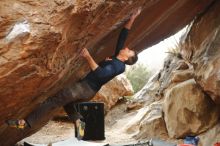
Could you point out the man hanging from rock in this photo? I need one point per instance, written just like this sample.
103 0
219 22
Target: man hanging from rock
86 88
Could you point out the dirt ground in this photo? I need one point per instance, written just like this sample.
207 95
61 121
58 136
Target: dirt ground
54 131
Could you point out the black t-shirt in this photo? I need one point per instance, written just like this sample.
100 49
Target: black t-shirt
108 69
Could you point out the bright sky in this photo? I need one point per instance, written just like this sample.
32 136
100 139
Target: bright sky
154 56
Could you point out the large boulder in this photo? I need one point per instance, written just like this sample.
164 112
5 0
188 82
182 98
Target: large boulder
133 125
149 118
111 92
40 43
201 48
148 122
186 110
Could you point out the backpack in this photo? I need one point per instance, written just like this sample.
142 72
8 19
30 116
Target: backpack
191 140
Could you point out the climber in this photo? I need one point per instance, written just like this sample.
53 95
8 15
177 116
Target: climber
85 89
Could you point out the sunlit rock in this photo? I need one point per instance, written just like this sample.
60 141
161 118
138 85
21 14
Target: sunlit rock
186 110
202 50
113 90
148 123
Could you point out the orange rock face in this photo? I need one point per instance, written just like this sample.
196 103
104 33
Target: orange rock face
40 43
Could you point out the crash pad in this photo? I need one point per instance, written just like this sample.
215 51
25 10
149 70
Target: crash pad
70 142
155 142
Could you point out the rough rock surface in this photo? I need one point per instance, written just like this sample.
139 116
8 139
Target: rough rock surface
113 90
210 137
186 106
148 122
134 125
202 51
186 110
40 42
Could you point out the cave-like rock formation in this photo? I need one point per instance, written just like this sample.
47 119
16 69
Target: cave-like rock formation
40 42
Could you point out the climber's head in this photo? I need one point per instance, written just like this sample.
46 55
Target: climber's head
130 56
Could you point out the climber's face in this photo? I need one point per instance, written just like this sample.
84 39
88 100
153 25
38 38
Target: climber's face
126 52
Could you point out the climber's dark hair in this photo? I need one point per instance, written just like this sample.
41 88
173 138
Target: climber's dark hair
132 60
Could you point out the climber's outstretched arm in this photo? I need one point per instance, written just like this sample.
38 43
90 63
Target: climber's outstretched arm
93 65
124 32
134 15
100 72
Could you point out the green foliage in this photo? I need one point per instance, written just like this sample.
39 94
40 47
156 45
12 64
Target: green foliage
138 75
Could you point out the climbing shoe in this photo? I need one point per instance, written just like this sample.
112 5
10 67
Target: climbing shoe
80 129
19 124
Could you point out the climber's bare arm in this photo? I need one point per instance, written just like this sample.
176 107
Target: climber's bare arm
93 65
134 15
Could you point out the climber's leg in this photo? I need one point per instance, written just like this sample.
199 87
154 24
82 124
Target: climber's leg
39 113
77 119
72 113
80 90
75 116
